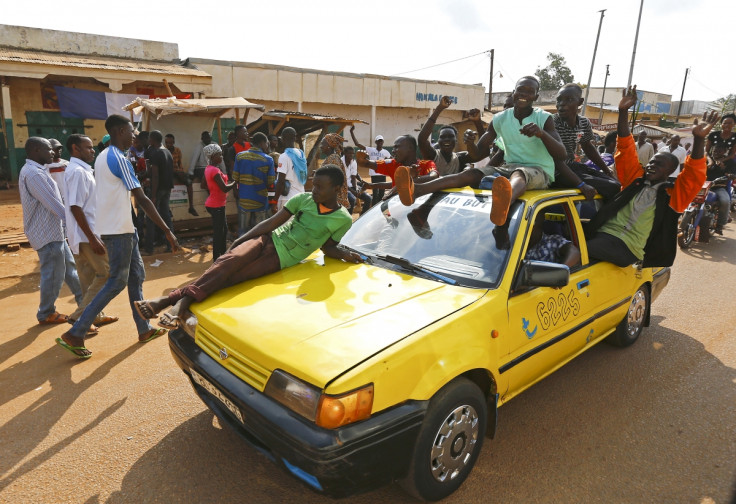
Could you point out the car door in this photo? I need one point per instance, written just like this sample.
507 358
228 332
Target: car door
548 326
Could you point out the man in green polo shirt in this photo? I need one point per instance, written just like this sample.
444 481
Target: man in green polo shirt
274 244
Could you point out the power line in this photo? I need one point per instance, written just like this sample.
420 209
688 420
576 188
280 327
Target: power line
445 63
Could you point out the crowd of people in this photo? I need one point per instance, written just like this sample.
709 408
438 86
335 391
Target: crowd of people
81 222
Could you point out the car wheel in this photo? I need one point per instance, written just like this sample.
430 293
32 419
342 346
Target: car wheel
630 328
688 231
449 441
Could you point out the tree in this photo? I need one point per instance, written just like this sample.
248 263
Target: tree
724 105
555 75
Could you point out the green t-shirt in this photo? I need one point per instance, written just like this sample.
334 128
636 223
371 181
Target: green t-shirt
632 227
308 229
520 149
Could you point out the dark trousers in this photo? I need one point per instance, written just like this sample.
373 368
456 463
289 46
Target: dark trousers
251 259
377 193
606 186
219 231
162 206
605 247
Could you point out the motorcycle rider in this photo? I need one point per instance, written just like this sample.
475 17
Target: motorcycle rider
719 165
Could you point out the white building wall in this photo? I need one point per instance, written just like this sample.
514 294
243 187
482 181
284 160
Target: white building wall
401 105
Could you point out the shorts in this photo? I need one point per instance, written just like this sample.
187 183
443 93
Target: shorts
536 178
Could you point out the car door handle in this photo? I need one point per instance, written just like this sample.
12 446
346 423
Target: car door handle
583 283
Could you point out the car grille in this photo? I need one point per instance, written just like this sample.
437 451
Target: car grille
237 363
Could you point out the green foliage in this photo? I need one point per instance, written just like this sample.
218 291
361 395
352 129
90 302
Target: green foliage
725 104
555 74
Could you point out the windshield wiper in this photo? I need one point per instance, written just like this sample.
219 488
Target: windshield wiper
363 256
408 265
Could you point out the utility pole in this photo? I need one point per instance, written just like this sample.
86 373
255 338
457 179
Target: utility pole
592 64
490 82
636 39
679 105
605 81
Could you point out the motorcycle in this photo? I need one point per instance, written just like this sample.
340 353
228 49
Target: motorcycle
698 222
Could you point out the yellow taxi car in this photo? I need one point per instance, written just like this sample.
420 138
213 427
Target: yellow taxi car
354 376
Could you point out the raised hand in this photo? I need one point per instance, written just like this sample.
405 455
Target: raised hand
352 128
445 102
469 136
474 114
628 99
361 156
709 120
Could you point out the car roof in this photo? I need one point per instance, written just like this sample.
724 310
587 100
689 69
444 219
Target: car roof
530 197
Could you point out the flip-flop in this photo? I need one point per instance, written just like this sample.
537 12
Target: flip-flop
74 349
54 318
404 185
144 309
169 321
501 198
105 320
153 334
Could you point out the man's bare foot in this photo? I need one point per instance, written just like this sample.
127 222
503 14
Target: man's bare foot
74 345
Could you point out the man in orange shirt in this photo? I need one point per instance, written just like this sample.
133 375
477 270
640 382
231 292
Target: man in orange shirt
405 154
640 222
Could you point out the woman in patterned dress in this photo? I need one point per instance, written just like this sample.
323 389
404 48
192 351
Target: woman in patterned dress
331 146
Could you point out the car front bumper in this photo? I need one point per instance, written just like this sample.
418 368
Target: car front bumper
340 462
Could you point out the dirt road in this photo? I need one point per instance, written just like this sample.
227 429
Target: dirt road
652 423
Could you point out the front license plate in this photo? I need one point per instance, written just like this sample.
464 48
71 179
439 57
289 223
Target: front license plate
202 382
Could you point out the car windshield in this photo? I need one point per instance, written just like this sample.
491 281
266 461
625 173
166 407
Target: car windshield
449 234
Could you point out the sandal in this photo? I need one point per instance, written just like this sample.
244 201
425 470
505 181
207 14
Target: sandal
80 352
169 321
152 334
54 318
501 199
104 320
404 185
144 309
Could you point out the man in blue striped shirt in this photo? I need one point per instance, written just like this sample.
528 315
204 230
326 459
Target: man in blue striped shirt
43 219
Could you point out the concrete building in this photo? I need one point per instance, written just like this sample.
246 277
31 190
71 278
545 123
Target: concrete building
35 62
391 106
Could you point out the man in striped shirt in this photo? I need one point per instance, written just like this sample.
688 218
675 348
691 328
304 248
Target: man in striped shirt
43 219
254 173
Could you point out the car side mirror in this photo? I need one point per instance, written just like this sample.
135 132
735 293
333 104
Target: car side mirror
542 274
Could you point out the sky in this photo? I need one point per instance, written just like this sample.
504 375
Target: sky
396 37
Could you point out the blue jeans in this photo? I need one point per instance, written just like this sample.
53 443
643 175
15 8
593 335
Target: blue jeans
126 268
247 219
57 267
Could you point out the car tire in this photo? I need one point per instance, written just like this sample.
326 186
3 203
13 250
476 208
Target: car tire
449 441
628 331
688 231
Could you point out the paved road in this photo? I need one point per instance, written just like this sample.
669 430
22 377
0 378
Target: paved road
652 423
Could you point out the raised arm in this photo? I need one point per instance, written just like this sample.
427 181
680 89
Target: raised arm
425 146
628 100
690 180
355 140
483 148
361 157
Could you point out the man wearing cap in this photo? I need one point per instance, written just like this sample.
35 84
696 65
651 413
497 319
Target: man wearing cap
374 154
57 166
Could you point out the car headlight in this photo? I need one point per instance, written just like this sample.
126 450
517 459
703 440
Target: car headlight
325 410
189 326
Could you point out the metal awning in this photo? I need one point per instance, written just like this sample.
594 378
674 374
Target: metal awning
99 63
208 106
273 121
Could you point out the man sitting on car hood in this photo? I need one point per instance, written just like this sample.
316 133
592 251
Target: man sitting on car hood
276 243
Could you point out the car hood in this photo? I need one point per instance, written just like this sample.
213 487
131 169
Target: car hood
320 318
